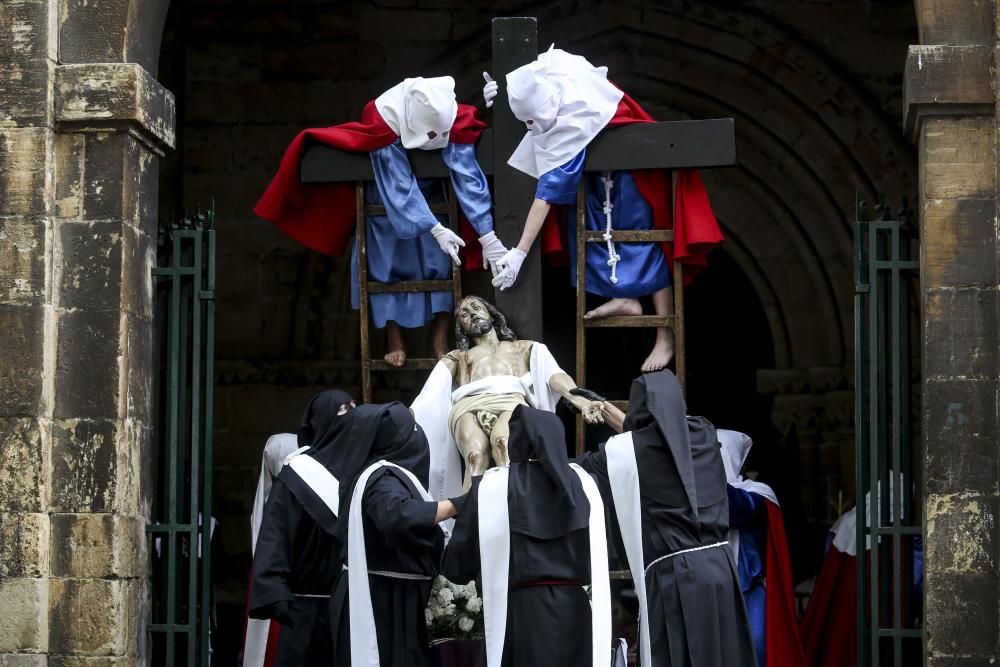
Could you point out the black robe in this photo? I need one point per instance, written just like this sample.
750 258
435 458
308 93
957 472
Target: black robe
297 558
548 612
400 536
697 617
295 561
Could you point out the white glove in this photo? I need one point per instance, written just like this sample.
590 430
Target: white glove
510 266
449 241
489 90
493 252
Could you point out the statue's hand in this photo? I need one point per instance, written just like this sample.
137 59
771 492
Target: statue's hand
592 412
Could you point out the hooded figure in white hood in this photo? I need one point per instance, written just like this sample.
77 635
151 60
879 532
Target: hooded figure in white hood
565 102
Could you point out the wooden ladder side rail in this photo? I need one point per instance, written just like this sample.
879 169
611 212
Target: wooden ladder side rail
581 304
675 321
366 288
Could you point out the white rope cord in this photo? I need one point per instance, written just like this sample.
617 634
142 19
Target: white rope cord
687 551
613 255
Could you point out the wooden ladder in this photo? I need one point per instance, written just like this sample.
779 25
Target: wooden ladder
366 287
675 321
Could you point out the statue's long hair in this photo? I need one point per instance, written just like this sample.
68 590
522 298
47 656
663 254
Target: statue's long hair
504 332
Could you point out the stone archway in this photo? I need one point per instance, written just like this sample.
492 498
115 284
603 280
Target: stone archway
78 193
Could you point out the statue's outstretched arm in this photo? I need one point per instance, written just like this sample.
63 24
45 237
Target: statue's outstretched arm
564 385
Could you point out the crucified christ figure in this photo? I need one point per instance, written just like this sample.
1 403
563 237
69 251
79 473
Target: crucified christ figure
493 373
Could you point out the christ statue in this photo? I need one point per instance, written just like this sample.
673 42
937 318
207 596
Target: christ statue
471 393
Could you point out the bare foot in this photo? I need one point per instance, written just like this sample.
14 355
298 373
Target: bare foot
396 356
440 337
662 353
614 308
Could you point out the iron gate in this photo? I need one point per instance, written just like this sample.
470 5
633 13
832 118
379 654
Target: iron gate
888 532
182 524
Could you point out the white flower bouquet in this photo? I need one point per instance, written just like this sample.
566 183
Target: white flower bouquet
453 611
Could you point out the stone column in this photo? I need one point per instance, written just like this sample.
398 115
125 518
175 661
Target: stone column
950 109
78 192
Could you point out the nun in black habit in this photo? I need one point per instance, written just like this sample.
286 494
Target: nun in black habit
391 542
297 557
548 544
668 485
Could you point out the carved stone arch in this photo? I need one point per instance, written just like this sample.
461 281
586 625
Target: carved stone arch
116 31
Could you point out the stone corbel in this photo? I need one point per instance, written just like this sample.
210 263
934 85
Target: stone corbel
103 96
947 81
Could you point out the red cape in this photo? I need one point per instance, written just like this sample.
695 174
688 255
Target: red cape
828 627
321 216
782 646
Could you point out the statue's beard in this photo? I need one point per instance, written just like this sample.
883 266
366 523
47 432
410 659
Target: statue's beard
479 328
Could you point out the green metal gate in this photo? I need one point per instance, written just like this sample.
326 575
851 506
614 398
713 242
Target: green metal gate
182 524
888 600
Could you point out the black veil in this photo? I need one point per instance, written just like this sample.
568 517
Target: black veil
656 399
545 496
380 432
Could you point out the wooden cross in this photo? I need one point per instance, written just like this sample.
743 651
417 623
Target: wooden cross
670 145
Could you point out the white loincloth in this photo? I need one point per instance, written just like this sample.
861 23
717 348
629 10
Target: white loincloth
432 409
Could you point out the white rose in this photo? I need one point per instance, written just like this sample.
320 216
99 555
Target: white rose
465 624
445 595
474 604
449 610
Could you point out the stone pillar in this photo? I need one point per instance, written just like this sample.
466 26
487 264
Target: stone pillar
950 109
78 191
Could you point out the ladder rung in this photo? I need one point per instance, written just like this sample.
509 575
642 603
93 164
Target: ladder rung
411 286
630 235
633 321
440 208
408 365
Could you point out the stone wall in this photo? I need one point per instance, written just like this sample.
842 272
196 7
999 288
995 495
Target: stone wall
79 148
951 110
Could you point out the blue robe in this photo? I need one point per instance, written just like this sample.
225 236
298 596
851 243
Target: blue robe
400 245
748 514
642 268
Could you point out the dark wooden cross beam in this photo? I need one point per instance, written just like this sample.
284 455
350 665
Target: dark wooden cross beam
697 143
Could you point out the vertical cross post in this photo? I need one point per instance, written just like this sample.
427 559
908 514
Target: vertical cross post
515 43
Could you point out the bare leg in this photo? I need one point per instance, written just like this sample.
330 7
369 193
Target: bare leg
474 446
498 440
442 323
396 356
613 308
663 348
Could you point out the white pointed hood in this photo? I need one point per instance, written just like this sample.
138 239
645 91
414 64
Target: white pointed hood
421 111
567 100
